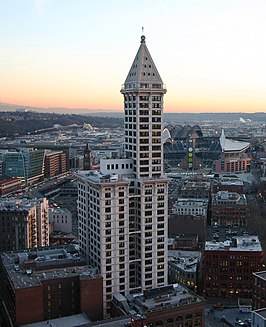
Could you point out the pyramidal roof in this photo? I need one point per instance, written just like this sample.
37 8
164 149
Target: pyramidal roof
143 68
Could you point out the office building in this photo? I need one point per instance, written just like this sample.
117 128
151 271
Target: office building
23 224
25 164
229 267
123 208
55 163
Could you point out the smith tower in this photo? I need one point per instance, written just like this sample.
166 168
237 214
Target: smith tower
123 208
143 104
143 93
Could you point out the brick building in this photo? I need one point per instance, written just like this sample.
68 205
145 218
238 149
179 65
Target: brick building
195 188
187 224
55 163
47 283
230 185
233 157
171 305
228 209
229 267
9 184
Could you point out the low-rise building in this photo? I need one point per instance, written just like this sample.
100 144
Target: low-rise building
195 188
47 283
171 305
60 220
184 267
230 185
186 224
228 209
195 207
229 267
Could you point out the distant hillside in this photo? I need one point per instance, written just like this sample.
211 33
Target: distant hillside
21 123
182 118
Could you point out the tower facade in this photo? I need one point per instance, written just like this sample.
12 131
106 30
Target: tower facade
123 220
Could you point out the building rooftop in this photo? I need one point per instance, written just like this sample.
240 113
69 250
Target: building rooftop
18 204
30 267
225 197
70 321
156 299
97 177
231 181
59 210
192 185
195 201
185 260
239 243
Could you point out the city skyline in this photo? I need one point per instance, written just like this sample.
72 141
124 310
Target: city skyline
67 54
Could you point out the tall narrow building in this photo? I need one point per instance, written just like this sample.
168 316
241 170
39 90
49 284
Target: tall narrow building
122 209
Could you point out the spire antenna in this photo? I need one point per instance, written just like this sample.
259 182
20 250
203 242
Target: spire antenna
142 30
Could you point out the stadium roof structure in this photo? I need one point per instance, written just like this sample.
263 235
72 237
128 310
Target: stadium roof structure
229 145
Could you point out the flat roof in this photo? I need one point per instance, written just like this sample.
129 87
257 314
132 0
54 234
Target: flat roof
185 260
158 299
23 277
97 177
224 197
231 181
18 204
69 321
247 243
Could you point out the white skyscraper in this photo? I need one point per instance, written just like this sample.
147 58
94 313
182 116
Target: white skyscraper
123 221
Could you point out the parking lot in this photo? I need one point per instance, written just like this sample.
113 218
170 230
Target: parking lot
227 315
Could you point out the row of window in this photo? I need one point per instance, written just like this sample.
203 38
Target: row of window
142 97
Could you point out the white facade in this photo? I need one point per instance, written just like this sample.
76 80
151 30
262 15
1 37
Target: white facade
194 207
123 221
60 220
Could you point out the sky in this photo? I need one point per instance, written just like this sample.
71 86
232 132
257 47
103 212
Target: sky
211 54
